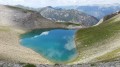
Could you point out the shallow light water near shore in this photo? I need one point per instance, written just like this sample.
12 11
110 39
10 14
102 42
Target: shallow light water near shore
56 45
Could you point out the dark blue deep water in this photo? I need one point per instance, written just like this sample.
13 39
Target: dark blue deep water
56 45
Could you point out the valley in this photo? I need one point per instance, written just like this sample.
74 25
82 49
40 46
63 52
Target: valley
57 36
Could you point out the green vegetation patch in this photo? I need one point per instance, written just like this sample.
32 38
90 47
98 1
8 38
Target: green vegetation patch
29 65
91 36
96 36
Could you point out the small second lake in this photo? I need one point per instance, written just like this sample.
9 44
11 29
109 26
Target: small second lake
56 45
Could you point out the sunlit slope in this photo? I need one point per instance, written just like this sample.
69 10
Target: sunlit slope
12 51
96 43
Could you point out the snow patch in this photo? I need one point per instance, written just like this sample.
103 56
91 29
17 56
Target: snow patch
42 34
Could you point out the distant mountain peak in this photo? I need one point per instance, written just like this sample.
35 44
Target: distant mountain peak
49 7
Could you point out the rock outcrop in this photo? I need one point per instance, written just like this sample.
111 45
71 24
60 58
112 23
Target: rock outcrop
62 15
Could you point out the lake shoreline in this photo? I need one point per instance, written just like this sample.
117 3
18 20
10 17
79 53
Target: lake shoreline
59 44
14 47
12 51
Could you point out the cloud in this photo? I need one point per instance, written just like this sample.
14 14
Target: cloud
19 0
43 3
70 44
54 53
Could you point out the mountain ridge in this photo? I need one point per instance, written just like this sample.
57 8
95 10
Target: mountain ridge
74 16
25 19
98 11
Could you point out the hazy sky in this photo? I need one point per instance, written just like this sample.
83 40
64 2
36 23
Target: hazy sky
43 3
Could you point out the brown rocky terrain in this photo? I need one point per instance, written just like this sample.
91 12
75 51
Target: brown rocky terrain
25 19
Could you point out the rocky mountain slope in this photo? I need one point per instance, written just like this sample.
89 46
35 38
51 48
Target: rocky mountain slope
98 11
101 42
74 16
25 19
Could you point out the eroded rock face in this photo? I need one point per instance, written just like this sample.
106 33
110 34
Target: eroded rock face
24 19
74 16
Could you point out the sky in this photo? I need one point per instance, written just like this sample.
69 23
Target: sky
43 3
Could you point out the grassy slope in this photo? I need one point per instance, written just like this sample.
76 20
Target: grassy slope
96 36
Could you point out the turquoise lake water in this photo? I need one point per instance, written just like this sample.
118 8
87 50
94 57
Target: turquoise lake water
56 45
